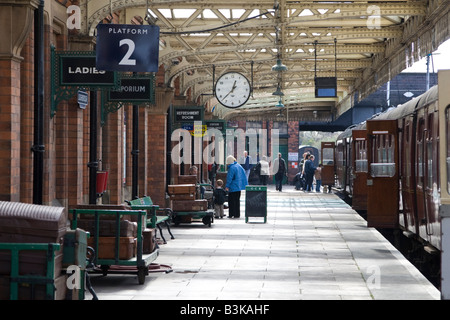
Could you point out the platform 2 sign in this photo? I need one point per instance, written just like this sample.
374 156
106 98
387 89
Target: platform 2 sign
133 48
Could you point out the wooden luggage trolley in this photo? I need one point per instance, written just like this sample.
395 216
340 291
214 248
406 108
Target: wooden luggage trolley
119 248
185 207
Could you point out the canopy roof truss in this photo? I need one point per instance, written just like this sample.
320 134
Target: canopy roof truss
363 43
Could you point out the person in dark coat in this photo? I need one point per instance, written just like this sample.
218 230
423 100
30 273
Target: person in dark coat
280 170
309 172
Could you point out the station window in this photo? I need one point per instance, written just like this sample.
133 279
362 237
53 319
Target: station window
383 164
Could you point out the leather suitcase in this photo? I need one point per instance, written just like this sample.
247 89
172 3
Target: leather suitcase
149 240
187 179
30 262
190 205
106 247
26 289
186 196
108 227
181 189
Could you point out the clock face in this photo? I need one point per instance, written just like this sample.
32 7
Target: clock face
232 90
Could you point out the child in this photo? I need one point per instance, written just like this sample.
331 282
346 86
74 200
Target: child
318 177
219 199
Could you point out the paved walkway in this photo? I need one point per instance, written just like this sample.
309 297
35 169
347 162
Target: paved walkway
313 246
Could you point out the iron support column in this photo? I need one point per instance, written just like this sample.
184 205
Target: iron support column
38 147
135 153
93 163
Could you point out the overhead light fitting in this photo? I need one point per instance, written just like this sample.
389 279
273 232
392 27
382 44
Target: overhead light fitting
278 92
279 66
279 104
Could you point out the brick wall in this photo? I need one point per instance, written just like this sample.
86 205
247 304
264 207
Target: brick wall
27 120
10 130
156 182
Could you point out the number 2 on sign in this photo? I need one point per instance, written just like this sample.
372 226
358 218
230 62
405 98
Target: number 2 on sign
126 59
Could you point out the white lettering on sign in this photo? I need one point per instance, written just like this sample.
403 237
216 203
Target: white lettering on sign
126 59
127 31
132 89
86 70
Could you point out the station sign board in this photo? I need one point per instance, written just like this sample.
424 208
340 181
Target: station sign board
139 90
218 124
81 70
188 114
325 87
122 47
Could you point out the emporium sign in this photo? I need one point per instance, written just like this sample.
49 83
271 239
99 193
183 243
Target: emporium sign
133 90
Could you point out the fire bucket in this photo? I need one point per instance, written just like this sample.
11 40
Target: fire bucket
102 177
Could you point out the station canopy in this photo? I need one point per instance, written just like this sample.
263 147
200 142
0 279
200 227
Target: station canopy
360 44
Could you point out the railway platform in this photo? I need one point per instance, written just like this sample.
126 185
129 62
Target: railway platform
312 247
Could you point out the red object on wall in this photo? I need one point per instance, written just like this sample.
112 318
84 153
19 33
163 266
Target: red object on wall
102 178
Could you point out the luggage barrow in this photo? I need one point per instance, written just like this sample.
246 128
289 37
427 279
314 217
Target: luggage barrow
207 216
136 265
32 280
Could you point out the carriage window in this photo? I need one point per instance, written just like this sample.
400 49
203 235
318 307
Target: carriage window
420 151
383 157
407 157
447 116
327 156
430 168
361 156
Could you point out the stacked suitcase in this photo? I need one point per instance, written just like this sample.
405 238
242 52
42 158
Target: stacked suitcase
107 232
183 196
27 224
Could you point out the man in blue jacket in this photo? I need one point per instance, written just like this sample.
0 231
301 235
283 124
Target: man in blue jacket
236 182
309 172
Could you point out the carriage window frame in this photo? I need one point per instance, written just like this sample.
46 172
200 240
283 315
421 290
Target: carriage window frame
407 153
328 156
420 152
361 156
383 156
429 152
447 125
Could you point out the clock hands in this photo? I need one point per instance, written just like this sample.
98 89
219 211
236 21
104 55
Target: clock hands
232 89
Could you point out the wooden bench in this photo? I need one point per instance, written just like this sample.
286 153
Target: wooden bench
155 215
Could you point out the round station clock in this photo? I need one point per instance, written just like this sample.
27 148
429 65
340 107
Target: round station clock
232 89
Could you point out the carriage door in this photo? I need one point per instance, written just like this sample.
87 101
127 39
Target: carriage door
327 158
359 158
382 180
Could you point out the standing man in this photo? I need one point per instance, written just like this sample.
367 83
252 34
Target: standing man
280 171
309 172
236 182
247 164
